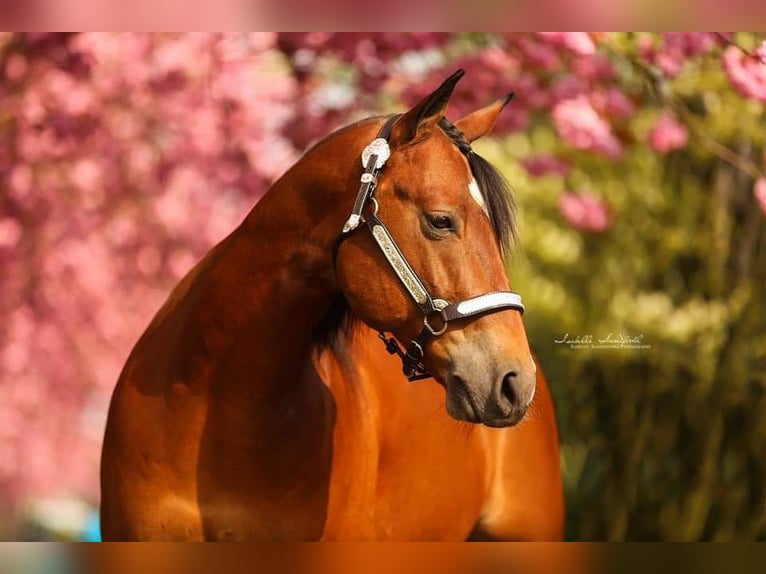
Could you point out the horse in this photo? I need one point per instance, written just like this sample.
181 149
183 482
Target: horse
268 398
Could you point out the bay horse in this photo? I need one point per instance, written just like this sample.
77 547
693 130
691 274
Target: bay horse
260 404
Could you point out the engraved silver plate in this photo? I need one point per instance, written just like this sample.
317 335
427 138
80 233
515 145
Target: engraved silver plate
378 147
410 281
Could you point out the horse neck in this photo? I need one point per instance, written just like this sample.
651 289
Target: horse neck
272 280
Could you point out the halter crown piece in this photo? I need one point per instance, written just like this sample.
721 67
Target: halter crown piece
374 158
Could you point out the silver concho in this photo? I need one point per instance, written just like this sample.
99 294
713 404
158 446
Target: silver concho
377 147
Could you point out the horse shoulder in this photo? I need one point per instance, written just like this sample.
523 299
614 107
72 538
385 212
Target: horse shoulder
149 455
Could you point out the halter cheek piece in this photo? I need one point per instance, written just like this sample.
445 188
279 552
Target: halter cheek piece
374 157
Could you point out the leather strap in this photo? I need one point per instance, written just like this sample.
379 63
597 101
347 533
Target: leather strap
492 301
401 266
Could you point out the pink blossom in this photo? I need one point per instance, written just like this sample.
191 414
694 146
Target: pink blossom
670 63
759 190
149 260
585 212
10 232
531 93
746 73
205 131
578 42
20 181
367 50
16 67
238 45
171 56
668 134
689 44
539 54
675 49
761 53
569 87
578 124
262 40
543 164
613 102
87 175
595 68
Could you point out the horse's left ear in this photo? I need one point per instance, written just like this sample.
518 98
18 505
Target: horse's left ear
418 122
480 123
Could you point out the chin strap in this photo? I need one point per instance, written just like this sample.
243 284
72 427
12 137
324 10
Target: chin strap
374 157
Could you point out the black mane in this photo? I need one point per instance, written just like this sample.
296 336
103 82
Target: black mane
502 216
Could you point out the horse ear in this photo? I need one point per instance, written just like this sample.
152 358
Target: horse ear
418 122
480 123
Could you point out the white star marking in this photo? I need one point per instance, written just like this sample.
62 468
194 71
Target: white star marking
475 192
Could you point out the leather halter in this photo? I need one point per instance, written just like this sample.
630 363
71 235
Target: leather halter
374 157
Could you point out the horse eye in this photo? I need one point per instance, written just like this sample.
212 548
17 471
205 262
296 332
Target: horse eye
441 222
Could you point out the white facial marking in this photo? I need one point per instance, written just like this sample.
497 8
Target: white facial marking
473 188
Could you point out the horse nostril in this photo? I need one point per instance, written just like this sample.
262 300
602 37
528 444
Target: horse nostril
507 390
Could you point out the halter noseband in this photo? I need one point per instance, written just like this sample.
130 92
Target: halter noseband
374 157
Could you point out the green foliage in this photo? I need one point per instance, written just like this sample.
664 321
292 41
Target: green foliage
666 442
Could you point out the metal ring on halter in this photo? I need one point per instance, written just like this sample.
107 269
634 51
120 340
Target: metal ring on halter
430 328
375 206
416 345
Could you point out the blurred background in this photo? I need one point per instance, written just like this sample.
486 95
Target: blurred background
638 166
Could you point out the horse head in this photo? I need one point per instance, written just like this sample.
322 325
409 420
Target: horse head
449 215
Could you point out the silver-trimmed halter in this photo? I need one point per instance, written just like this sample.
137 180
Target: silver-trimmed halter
374 158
